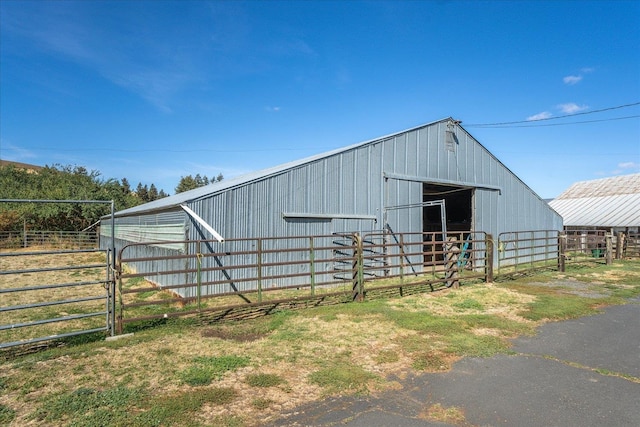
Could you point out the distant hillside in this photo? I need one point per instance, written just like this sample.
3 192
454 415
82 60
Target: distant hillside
26 166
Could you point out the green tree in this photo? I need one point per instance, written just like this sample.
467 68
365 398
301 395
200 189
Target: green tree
142 192
190 182
186 183
126 187
153 193
58 183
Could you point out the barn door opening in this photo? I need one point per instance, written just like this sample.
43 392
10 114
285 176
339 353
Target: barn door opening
458 202
457 217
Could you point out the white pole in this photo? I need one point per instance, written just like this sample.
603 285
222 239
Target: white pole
203 223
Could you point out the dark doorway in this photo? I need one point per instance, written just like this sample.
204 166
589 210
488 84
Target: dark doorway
458 206
457 202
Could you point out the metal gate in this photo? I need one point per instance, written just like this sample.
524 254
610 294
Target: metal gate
56 289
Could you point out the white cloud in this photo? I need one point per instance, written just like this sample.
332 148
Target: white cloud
621 169
540 116
273 109
571 108
571 80
629 165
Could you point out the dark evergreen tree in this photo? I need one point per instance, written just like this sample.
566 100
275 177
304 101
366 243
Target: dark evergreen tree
153 193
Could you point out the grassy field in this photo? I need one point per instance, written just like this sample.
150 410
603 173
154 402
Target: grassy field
185 372
64 282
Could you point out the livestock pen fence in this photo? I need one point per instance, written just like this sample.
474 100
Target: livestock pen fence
218 280
525 250
54 285
212 278
242 278
48 239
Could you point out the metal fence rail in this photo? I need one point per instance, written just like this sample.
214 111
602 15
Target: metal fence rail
587 246
631 245
61 294
422 258
63 286
48 239
525 250
212 277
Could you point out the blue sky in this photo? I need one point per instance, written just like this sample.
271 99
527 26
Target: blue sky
156 90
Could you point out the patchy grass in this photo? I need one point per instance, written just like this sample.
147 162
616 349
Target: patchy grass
340 378
183 372
89 406
559 307
207 369
6 414
264 380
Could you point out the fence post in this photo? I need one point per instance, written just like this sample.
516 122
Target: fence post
199 273
609 243
358 287
489 258
118 278
619 244
562 249
312 267
259 254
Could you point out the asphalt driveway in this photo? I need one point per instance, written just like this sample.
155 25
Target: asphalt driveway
582 372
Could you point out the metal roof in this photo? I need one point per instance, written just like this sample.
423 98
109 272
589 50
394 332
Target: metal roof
176 200
606 202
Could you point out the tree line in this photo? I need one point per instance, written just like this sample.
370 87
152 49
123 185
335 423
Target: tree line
71 183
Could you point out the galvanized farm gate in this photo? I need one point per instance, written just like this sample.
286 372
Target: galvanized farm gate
49 292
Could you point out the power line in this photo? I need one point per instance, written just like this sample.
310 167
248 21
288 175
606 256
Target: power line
561 124
506 124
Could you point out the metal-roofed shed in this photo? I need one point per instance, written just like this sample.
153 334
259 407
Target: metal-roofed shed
606 203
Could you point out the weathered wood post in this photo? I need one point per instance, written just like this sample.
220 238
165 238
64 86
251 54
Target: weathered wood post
609 243
451 256
619 245
562 249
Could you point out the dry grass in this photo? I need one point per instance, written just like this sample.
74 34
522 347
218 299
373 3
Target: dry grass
348 348
451 415
39 278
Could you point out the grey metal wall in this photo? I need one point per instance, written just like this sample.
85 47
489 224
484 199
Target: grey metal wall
350 190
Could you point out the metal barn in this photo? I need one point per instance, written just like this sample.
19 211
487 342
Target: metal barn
423 179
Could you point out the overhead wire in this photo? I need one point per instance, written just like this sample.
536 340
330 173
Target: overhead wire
532 123
560 124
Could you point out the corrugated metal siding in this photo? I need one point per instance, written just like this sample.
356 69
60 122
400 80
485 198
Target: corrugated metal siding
156 227
606 202
610 211
352 182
